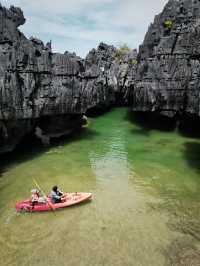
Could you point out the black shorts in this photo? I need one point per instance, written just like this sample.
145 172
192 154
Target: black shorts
57 201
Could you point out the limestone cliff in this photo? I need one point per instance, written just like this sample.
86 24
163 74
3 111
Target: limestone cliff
111 79
168 72
50 93
46 92
35 83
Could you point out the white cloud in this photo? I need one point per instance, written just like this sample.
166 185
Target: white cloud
59 7
81 24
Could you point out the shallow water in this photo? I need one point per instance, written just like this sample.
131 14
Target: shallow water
146 205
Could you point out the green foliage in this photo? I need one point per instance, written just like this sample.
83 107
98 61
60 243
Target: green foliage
121 52
132 62
168 24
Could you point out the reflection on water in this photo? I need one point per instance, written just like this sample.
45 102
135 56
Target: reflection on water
113 163
146 202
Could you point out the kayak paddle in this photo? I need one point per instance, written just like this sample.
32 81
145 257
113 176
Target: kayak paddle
48 202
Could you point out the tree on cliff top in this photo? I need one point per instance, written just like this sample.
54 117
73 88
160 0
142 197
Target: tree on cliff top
121 53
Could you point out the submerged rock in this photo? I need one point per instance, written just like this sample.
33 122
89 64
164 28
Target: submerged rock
168 72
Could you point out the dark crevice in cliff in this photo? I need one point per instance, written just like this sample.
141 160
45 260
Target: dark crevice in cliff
49 128
195 57
175 42
121 100
97 111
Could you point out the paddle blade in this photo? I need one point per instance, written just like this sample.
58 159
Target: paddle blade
50 204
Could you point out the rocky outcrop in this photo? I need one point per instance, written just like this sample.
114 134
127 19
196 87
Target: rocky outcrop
168 72
35 83
111 79
49 93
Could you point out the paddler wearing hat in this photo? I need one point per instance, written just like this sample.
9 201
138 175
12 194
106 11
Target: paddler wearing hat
36 198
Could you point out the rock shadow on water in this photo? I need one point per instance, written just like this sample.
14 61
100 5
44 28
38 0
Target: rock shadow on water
148 121
189 126
95 112
82 134
192 154
31 147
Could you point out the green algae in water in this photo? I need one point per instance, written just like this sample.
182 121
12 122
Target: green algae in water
146 186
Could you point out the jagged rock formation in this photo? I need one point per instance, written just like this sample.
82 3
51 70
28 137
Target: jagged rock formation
51 92
35 83
168 74
111 79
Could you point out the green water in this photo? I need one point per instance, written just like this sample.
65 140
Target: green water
146 205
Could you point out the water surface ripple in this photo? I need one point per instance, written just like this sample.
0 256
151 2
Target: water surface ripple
146 205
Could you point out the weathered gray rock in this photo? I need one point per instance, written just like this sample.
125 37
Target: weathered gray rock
168 73
109 80
37 85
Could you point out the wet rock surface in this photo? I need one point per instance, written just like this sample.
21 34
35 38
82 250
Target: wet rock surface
167 79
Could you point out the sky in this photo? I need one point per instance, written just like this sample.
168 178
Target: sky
80 25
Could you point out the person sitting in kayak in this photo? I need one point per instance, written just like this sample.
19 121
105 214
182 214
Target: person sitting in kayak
56 195
36 198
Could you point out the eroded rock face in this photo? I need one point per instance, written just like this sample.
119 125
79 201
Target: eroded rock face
34 83
168 74
110 79
37 85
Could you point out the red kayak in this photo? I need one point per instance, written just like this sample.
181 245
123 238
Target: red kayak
71 199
